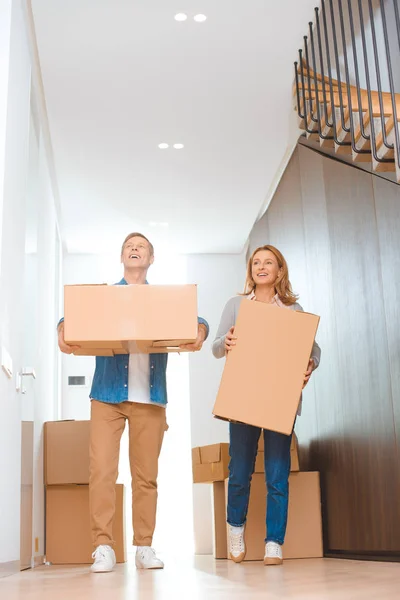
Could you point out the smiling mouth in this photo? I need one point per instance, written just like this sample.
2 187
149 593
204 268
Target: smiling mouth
262 275
134 256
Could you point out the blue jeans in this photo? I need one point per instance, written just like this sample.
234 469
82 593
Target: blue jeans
243 451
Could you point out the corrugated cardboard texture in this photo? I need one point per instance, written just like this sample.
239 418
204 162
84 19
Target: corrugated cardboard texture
263 376
68 535
210 463
304 531
220 548
294 455
66 452
103 320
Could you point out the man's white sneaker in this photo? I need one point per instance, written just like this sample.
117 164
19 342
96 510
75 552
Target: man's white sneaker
273 554
104 559
146 558
237 546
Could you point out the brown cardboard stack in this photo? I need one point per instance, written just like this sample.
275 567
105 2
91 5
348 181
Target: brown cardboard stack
104 320
66 474
210 463
304 531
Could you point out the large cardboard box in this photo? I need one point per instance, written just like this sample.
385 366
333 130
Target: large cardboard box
68 535
304 530
66 452
210 463
276 343
294 455
119 319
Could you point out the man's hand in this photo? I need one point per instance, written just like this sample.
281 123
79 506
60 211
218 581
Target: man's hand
307 374
198 344
230 339
61 341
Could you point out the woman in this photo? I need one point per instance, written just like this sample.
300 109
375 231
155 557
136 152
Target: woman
267 281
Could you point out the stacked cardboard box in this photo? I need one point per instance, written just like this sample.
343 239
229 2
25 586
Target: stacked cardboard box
66 474
304 531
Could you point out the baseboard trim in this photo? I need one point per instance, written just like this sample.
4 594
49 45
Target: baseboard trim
9 568
38 561
366 556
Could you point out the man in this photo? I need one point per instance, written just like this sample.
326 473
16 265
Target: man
128 388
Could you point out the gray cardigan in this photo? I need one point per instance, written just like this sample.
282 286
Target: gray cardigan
228 320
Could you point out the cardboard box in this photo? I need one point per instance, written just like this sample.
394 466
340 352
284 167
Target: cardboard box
277 343
220 543
304 530
210 463
119 319
294 455
66 452
68 534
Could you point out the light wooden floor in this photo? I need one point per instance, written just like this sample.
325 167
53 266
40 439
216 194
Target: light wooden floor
203 578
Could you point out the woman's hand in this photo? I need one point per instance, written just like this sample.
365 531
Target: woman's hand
230 340
308 373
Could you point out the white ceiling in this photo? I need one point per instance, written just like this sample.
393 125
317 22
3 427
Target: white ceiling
122 76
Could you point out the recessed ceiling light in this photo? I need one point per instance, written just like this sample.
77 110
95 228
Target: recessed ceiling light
200 18
178 146
161 224
180 17
163 146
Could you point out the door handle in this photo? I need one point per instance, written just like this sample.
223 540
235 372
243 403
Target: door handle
25 372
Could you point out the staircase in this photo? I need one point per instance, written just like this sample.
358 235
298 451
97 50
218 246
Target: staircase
356 123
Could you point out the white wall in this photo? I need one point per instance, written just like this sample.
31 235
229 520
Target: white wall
15 144
219 277
27 282
5 30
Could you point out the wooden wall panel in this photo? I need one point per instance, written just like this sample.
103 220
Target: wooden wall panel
370 479
387 205
324 433
339 229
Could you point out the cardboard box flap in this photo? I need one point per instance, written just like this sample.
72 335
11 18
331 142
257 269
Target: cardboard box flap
196 458
210 454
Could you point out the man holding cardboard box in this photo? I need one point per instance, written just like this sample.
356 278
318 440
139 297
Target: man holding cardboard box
128 388
267 282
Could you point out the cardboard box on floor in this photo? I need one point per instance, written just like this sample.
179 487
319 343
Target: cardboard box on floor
105 320
304 530
211 463
66 452
294 455
276 343
68 535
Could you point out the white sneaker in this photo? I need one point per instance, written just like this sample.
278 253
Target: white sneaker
237 546
104 559
146 558
273 554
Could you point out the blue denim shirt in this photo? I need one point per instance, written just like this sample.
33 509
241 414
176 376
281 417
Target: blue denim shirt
110 381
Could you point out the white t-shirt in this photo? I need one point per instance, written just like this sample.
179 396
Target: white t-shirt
139 379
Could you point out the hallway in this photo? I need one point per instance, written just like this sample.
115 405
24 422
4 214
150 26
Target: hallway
204 577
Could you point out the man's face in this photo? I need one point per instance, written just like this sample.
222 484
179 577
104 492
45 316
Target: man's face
137 254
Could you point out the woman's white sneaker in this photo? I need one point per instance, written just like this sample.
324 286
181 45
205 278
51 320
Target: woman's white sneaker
273 554
237 546
146 558
104 559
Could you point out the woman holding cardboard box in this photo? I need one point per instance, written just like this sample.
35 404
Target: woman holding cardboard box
267 281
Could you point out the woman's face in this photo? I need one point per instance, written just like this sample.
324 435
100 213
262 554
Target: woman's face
265 268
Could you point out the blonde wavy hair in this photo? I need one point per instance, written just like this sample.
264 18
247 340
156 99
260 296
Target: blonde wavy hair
283 286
